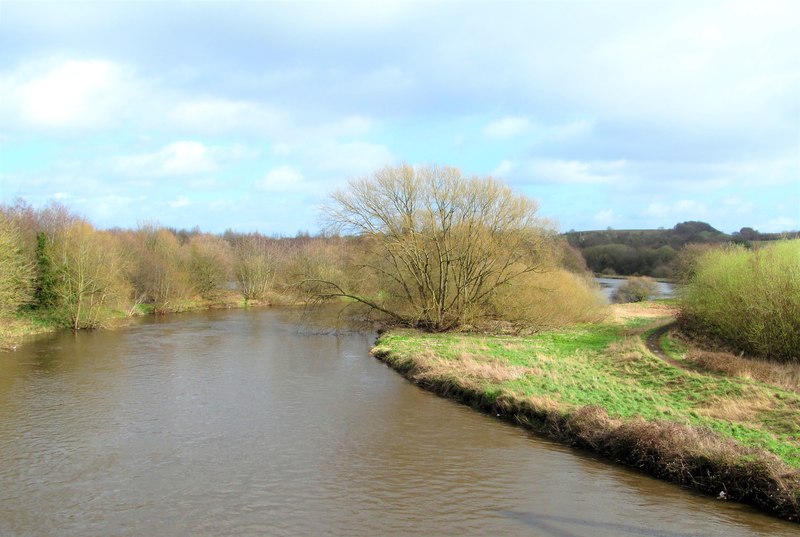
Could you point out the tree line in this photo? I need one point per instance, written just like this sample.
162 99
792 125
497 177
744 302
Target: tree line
418 246
654 252
56 265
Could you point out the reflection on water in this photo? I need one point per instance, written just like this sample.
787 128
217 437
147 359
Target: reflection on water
246 423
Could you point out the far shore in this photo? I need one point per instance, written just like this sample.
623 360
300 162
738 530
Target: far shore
27 324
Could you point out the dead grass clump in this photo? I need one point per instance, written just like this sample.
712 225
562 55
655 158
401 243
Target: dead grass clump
492 371
739 410
430 367
786 376
626 350
620 313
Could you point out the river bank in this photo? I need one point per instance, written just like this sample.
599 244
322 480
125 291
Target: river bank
26 323
598 387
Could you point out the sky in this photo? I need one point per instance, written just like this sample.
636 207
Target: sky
247 115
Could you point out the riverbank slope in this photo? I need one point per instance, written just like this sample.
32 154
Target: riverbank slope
598 387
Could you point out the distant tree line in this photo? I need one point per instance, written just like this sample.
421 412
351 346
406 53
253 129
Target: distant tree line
654 252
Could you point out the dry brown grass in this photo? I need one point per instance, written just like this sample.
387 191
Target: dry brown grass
620 313
786 376
626 350
741 410
466 367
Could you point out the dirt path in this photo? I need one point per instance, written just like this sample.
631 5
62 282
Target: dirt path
653 344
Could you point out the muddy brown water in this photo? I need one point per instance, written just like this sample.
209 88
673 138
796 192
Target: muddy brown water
251 423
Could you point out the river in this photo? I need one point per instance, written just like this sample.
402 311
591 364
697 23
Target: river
253 423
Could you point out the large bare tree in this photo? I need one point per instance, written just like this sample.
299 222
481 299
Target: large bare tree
435 246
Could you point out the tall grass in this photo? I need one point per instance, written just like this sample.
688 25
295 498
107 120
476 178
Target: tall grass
749 299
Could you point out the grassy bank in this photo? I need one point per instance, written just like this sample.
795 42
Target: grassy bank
598 387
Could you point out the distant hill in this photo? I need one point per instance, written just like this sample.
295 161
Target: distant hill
653 252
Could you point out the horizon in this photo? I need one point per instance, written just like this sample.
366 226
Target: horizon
246 116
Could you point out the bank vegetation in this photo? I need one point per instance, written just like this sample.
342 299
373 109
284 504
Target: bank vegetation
747 300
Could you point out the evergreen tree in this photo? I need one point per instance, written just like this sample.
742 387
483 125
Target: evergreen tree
44 295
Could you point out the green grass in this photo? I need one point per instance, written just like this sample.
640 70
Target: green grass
26 323
601 366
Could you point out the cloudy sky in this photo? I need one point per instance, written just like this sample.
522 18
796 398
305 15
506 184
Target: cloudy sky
246 115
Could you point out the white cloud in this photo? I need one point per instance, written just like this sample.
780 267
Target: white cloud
185 157
679 210
180 201
64 95
222 115
350 159
779 224
507 127
281 179
575 171
281 150
711 65
504 168
604 217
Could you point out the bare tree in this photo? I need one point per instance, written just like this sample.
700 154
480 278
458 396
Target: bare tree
158 266
435 246
91 274
254 267
209 265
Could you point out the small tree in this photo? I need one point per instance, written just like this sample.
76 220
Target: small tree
209 265
158 268
636 289
16 272
254 267
434 246
45 294
91 273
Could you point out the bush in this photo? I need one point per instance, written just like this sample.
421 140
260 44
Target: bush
636 289
748 299
541 301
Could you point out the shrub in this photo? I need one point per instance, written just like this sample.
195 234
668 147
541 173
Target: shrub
636 289
748 299
541 301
